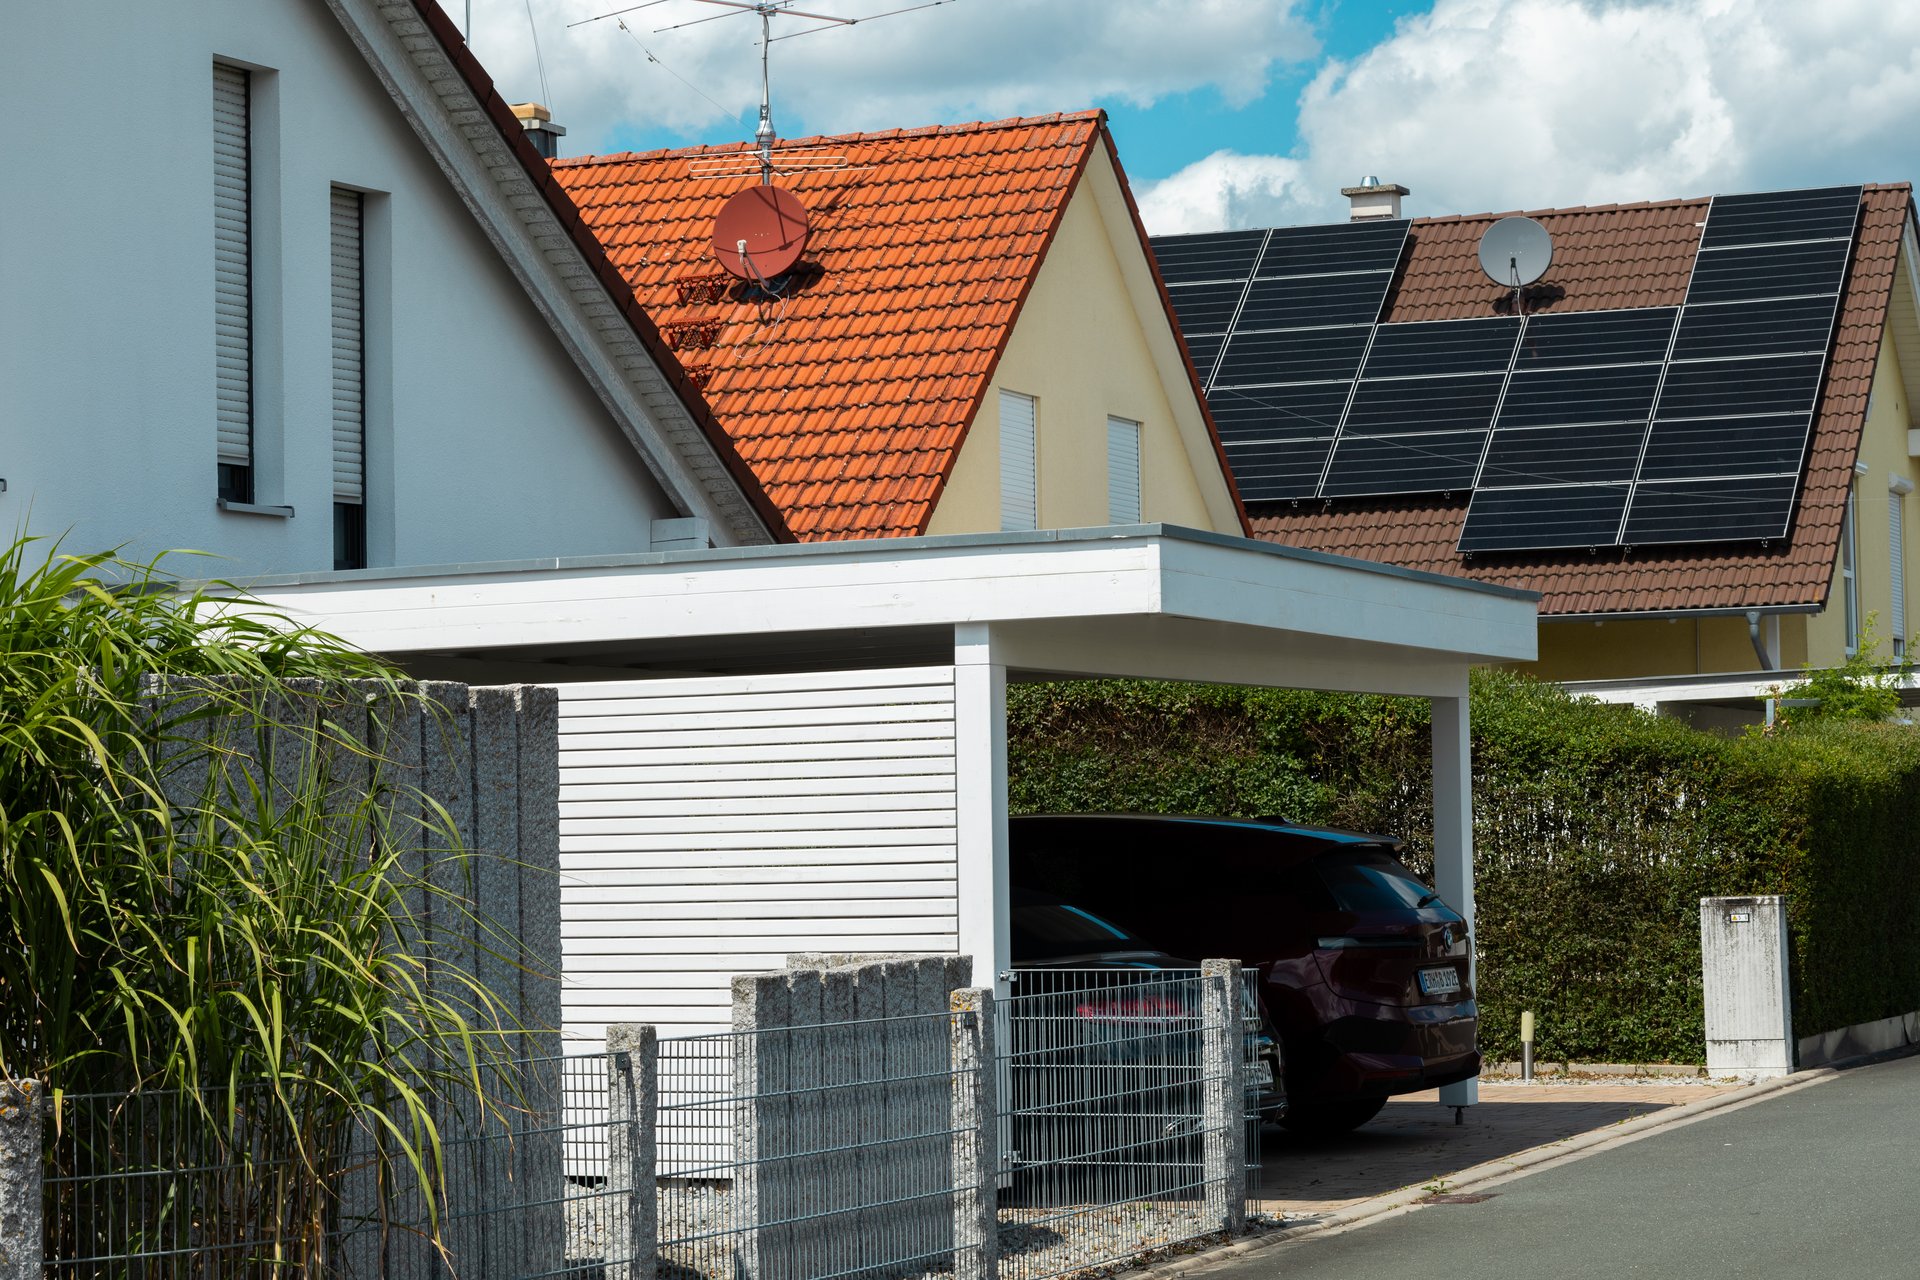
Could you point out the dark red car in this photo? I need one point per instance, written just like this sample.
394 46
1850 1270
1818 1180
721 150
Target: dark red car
1364 970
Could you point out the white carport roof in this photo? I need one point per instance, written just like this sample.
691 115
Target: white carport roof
1147 601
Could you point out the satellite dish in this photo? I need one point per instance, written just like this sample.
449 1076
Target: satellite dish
760 232
1515 251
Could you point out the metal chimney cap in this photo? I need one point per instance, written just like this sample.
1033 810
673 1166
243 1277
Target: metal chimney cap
1372 186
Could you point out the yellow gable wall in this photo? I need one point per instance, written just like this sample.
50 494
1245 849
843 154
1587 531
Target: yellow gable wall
1883 450
1093 340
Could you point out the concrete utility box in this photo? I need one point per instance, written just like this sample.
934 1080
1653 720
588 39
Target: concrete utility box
1743 958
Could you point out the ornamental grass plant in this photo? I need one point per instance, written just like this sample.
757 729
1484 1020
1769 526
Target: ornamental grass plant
212 882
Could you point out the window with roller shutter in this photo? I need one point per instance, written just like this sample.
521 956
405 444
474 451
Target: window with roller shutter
233 279
1123 471
347 218
1019 482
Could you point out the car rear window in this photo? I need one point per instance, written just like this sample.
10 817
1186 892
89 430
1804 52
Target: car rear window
1371 881
1044 931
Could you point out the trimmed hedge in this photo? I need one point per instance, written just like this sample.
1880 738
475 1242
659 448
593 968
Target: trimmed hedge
1597 830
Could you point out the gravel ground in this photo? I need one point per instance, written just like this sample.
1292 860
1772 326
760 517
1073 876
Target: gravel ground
1034 1242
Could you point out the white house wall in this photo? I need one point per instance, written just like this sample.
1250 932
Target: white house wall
484 440
715 826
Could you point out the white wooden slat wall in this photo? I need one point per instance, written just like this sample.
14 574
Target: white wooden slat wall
1123 471
233 264
349 349
1019 471
713 826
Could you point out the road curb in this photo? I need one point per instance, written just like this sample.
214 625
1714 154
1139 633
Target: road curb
1493 1171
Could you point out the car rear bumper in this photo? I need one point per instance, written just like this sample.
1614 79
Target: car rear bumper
1374 1051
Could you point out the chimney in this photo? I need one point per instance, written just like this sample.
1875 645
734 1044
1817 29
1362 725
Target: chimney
1374 200
541 130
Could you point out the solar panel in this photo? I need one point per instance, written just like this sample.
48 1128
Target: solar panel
1721 388
1821 213
1220 255
1279 469
1380 465
1442 346
1316 397
1569 338
1562 455
1297 355
1780 326
1768 271
1610 393
1423 404
1696 510
1709 447
1296 412
1545 519
1338 246
1297 302
1206 308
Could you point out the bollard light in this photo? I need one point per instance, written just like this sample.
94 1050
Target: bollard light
1526 1046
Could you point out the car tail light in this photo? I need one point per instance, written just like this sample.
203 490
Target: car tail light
1130 1008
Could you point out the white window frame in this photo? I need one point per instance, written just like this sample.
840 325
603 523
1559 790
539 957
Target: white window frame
1123 470
346 220
1897 560
1019 462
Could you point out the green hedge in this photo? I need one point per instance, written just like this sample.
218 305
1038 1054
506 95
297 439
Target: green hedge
1597 830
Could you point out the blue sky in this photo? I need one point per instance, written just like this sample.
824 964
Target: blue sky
1256 112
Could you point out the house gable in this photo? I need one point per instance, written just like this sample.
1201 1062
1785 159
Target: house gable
482 436
1093 340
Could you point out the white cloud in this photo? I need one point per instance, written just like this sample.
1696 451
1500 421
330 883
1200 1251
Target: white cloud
1226 189
968 59
1498 104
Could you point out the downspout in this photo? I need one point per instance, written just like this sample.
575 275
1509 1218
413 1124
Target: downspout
1759 645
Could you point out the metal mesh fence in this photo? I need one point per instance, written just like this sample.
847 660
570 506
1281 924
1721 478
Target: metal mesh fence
1103 1085
165 1184
807 1153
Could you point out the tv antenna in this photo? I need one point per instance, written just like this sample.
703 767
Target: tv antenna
1515 252
761 231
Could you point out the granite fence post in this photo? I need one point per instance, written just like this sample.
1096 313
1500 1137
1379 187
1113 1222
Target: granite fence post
976 1137
633 1092
1223 1084
22 1162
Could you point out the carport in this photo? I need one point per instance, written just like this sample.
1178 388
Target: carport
803 748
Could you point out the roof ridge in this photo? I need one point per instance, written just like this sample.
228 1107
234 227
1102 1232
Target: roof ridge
1636 206
1091 115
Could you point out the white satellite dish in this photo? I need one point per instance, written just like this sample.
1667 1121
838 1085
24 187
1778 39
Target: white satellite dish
1515 252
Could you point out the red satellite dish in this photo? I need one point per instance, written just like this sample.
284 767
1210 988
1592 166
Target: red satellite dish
760 232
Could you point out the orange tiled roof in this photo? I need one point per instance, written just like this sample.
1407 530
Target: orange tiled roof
1608 257
849 399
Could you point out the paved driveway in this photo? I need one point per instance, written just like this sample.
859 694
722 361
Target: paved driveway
1415 1140
1819 1181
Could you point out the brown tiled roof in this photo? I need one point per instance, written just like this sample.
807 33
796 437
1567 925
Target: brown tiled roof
849 398
1606 258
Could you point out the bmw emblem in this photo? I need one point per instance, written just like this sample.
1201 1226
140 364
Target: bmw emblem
1446 937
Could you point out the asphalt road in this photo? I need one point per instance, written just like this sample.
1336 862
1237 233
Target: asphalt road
1817 1182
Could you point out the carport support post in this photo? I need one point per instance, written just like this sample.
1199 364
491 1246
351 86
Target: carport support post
980 786
1453 841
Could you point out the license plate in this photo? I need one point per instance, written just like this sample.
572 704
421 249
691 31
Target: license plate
1259 1074
1439 982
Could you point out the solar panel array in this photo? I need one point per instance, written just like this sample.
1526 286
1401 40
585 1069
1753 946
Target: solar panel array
1642 426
